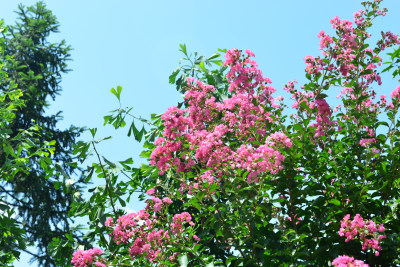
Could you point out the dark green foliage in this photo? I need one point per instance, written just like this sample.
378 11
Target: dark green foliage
36 66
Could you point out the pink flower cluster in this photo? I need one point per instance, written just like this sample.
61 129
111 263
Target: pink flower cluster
341 55
388 39
244 76
358 17
345 261
323 121
326 40
83 258
395 94
314 66
258 160
323 115
179 220
200 134
143 233
279 140
129 225
343 50
365 230
367 142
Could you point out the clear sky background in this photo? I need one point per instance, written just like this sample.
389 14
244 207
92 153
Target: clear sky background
135 44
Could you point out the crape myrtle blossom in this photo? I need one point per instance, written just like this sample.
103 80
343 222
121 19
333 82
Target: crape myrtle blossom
193 136
199 135
340 55
388 39
358 17
145 232
345 261
151 191
367 141
83 258
395 94
326 40
365 230
229 157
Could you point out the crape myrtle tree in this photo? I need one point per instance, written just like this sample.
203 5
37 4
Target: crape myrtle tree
41 197
233 181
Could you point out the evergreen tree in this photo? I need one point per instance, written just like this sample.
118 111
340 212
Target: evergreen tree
41 197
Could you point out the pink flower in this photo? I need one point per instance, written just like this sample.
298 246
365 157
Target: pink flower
109 222
366 231
157 203
189 80
151 191
395 94
83 258
390 106
344 261
167 200
308 59
251 54
326 40
99 264
366 142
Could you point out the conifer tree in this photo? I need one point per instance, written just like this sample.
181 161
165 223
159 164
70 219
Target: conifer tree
41 198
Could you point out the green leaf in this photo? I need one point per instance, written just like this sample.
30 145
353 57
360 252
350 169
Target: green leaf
102 139
199 60
126 162
93 131
139 135
107 119
172 77
117 92
213 56
69 237
150 136
99 212
123 203
202 66
365 72
321 96
57 185
183 49
388 68
113 165
60 169
334 202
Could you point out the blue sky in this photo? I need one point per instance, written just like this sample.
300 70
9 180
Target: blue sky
135 44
